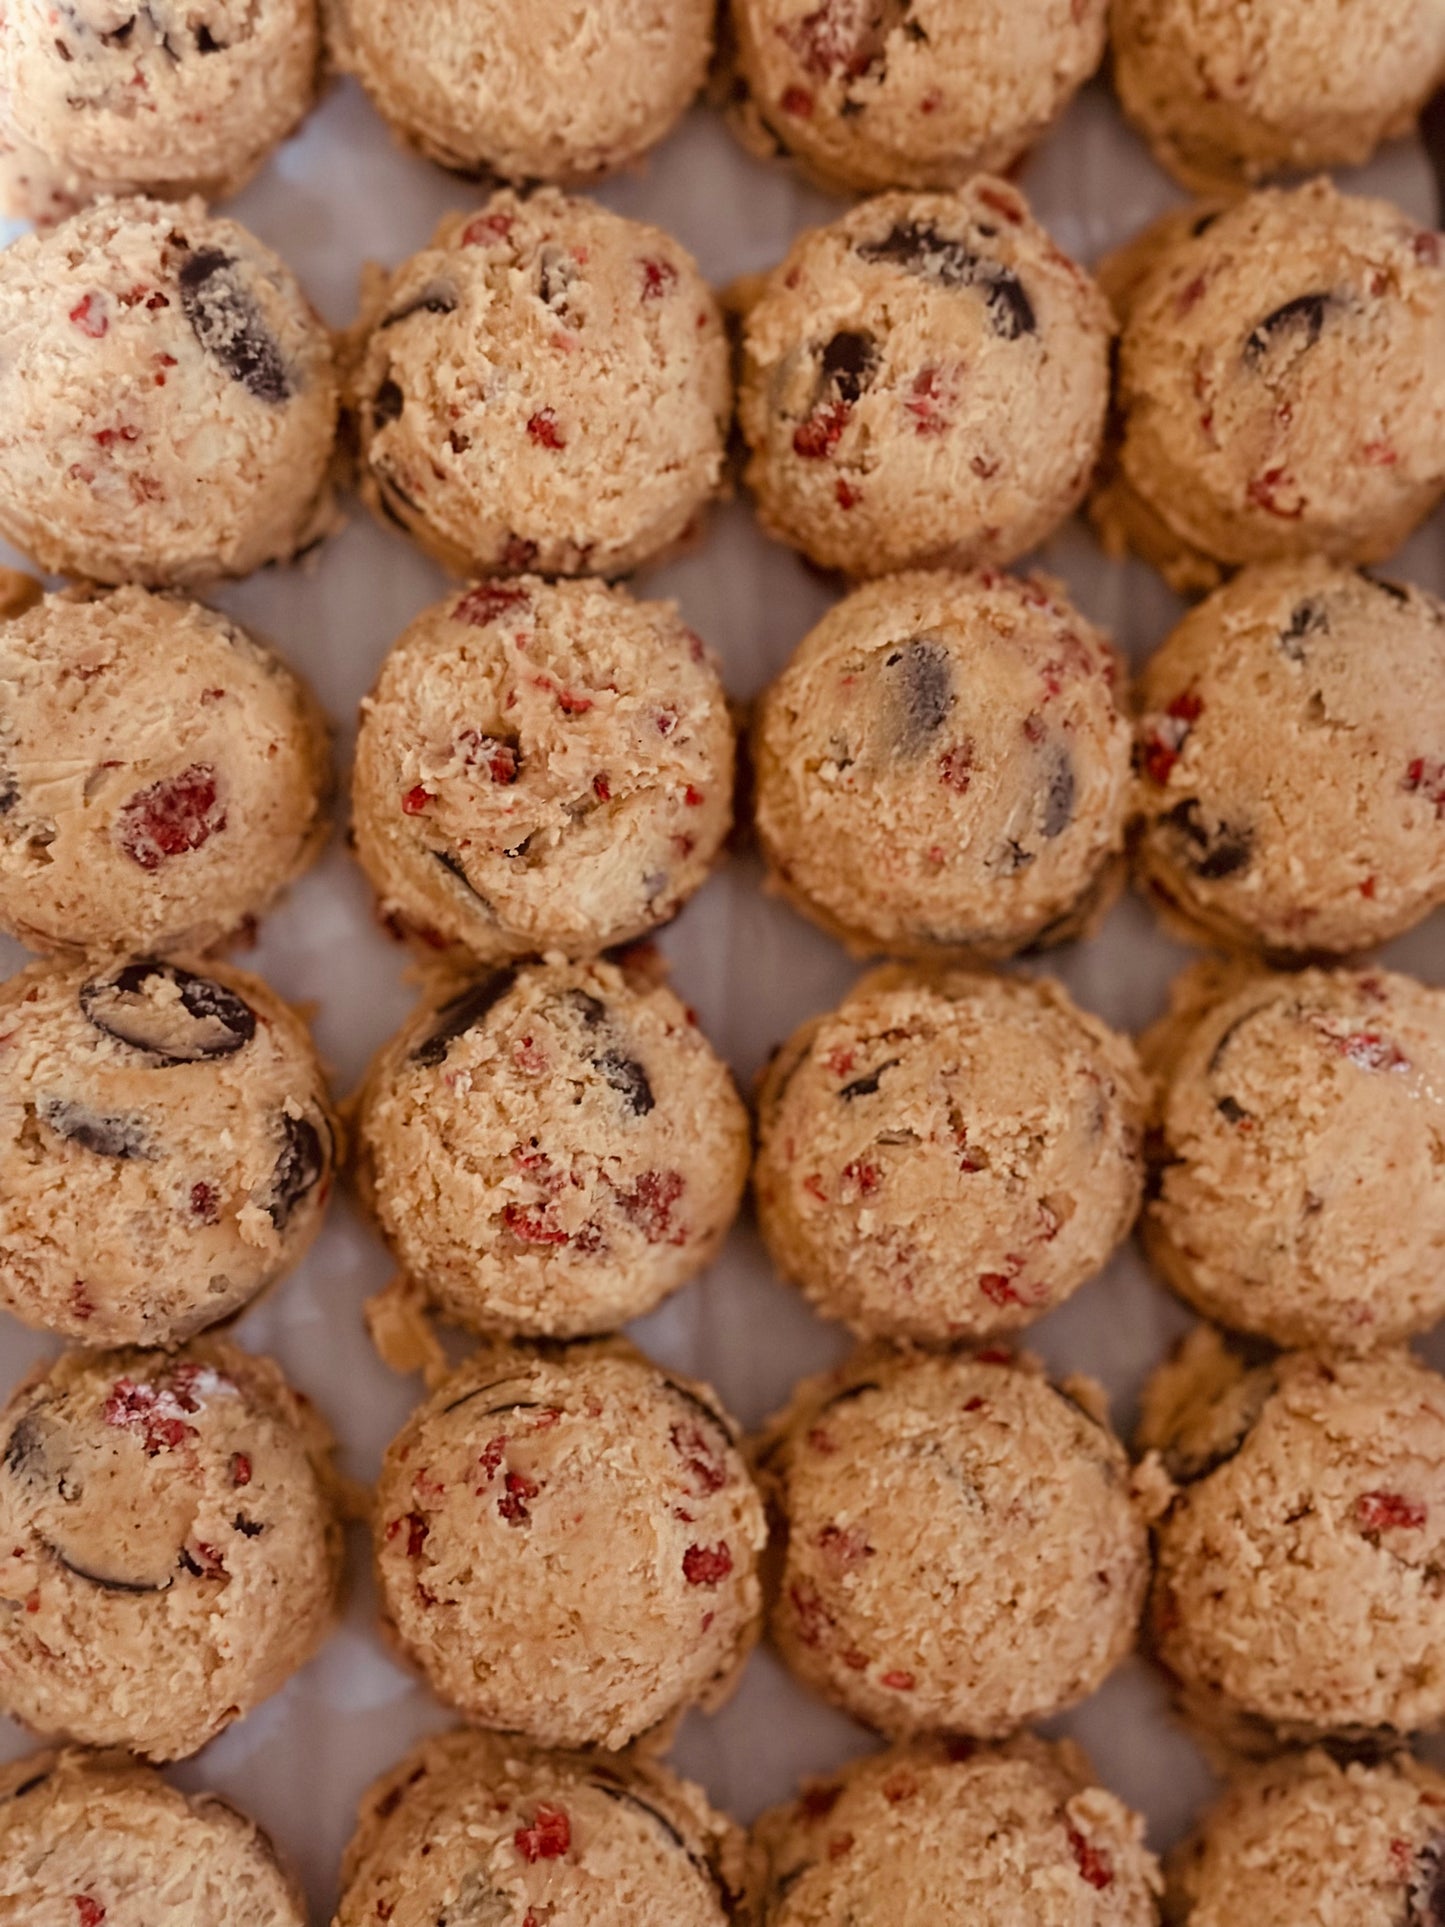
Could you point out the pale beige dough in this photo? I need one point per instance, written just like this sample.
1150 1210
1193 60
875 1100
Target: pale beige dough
542 767
948 1155
544 386
166 1146
171 1547
475 1821
959 1547
163 776
567 1544
942 770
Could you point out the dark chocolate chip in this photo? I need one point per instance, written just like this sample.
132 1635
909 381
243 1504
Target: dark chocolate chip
461 1014
29 1786
386 404
206 41
697 1403
1203 223
454 868
629 1079
923 679
227 322
300 1167
1010 857
849 363
919 248
1395 590
1059 794
9 791
113 1135
590 1009
556 271
105 1581
248 1528
520 849
169 1013
25 1453
1309 618
1231 1110
1299 321
435 298
866 1085
1426 1895
1212 851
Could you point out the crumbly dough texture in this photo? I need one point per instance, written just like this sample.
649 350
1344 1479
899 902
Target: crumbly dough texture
475 1821
167 398
924 383
1016 1835
553 1149
948 1155
942 770
1227 95
871 94
1300 1538
1291 757
1300 1187
542 767
163 776
960 1550
545 92
567 1544
172 1552
166 1146
99 1838
1281 384
545 386
1309 1838
100 97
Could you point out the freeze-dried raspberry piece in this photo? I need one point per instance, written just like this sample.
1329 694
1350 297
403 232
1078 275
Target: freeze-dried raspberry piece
177 814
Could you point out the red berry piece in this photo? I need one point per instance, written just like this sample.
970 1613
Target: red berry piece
544 429
1093 1863
1389 1512
649 1205
531 1225
152 1412
487 602
416 799
658 279
176 815
517 1490
89 1911
1425 776
90 317
816 438
707 1565
547 1838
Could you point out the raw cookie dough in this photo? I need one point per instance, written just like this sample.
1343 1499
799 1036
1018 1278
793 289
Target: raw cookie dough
103 97
1291 757
948 1155
924 382
567 1543
1311 1839
1281 384
172 1552
553 1150
98 1840
871 94
166 1146
1227 94
544 387
167 398
545 91
542 767
1301 1535
1009 1836
943 769
162 776
472 1821
959 1548
1300 1186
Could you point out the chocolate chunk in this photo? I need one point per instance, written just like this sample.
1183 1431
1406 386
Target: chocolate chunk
1059 794
227 322
1231 1110
29 1786
1299 321
866 1085
1396 591
436 298
1202 223
591 1010
1309 618
25 1454
923 682
919 248
629 1079
206 41
169 1013
1231 1032
849 363
386 405
697 1403
1212 851
848 1394
113 1135
105 1581
300 1167
9 791
1426 1896
454 867
461 1014
614 1789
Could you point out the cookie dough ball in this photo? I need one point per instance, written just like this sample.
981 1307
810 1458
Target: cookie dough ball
943 768
542 767
960 1551
472 1820
588 1527
1281 385
1228 95
534 93
166 1147
948 1155
99 1839
1291 762
1300 1189
1309 1838
1295 1590
172 1552
165 99
553 1150
546 386
924 382
163 777
167 398
918 95
946 1831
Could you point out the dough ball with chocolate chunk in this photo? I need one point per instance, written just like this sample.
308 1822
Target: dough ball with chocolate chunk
948 1155
943 768
171 1547
1291 763
567 1543
924 383
541 767
167 398
1281 384
166 1146
553 1150
487 1821
163 776
544 386
960 1550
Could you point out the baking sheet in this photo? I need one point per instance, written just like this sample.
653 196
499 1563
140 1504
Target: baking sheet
341 194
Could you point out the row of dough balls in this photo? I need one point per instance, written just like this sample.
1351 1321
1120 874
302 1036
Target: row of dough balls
546 388
866 95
